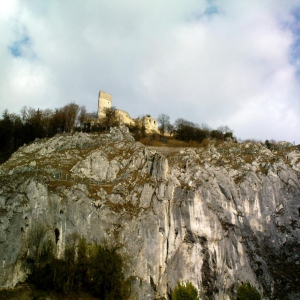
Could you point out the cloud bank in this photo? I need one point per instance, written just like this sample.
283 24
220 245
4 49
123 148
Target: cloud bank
232 63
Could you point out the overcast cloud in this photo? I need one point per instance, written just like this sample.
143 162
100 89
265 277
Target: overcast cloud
230 62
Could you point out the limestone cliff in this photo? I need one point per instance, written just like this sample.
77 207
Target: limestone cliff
217 216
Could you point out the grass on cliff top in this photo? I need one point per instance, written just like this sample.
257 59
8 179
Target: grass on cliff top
157 141
217 153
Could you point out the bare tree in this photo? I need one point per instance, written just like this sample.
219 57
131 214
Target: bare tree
71 112
228 133
41 245
170 129
24 113
47 115
82 116
164 121
224 129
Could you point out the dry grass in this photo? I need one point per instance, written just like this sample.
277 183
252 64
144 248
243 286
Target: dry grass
172 143
248 158
150 142
108 188
205 143
122 207
53 185
239 179
263 170
93 189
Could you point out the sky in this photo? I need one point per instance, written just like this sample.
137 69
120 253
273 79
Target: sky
213 62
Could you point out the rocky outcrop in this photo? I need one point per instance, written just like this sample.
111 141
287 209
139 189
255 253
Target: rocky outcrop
216 216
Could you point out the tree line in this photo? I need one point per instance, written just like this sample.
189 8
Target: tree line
23 128
188 131
19 129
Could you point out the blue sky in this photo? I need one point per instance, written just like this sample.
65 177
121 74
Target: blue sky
18 47
234 63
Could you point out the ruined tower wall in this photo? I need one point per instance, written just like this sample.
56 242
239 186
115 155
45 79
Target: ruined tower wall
124 117
104 102
150 124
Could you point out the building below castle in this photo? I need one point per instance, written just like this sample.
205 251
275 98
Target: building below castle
105 102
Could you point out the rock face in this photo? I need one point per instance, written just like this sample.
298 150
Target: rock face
216 216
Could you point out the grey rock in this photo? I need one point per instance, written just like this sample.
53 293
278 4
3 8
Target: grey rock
215 218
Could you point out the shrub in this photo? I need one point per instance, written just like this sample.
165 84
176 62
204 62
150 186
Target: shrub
82 263
106 273
184 291
247 292
96 268
41 256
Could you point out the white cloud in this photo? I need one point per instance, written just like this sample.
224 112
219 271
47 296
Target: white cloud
230 66
7 9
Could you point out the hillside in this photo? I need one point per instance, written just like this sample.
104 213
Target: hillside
217 216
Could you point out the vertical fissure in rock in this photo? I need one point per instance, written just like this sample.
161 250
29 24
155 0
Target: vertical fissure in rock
167 245
153 285
208 271
57 233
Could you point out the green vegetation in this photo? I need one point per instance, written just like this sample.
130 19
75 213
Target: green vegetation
188 131
111 118
247 292
138 131
184 291
17 130
96 268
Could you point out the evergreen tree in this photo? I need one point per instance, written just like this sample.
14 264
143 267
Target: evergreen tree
184 291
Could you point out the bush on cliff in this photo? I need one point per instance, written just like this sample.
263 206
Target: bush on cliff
184 291
97 268
247 292
105 274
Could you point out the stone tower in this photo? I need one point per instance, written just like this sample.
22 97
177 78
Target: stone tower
104 102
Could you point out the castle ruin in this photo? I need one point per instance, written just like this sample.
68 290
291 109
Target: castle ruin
105 102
